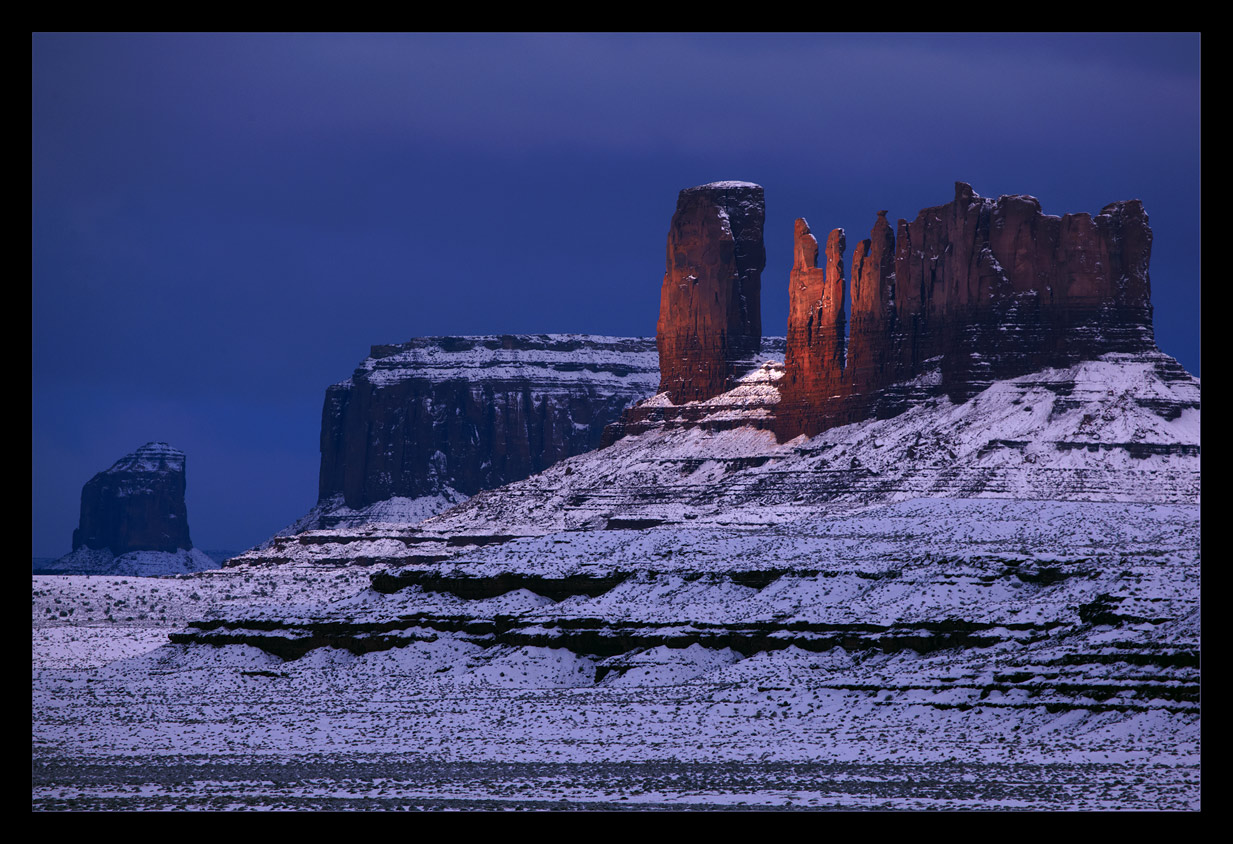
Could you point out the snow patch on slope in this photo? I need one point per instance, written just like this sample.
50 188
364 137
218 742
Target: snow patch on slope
138 563
397 511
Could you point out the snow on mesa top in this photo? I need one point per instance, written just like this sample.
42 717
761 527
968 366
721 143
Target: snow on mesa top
151 457
726 186
624 362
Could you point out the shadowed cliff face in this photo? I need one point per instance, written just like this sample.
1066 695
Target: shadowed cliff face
473 413
710 318
137 504
979 289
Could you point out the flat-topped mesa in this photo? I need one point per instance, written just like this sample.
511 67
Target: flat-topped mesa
443 415
979 289
710 318
137 504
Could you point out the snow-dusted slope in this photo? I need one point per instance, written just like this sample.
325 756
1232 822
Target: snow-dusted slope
95 561
991 604
1122 428
933 641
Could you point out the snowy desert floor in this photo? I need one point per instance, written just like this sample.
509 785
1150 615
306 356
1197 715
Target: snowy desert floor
1058 712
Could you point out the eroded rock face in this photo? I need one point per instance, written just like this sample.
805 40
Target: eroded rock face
710 318
465 414
979 290
814 359
137 504
873 302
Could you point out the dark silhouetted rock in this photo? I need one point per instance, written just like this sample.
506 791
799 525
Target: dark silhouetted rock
710 318
137 504
134 520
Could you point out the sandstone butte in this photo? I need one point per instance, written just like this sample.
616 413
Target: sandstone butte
137 504
973 291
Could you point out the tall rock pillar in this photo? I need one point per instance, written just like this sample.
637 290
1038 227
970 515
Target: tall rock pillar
816 353
710 312
873 308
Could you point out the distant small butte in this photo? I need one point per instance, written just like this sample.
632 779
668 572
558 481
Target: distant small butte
134 520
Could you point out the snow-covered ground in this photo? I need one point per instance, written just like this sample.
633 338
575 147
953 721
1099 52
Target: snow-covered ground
137 563
391 514
988 605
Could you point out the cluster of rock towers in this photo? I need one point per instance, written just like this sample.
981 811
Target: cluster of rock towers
970 292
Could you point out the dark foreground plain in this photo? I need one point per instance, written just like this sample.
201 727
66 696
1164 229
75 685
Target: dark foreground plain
343 783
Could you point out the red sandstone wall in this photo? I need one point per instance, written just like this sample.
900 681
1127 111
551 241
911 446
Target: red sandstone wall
710 319
993 289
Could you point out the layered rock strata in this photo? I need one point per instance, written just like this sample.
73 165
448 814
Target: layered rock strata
457 415
982 289
710 318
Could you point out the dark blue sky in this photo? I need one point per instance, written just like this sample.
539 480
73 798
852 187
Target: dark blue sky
223 224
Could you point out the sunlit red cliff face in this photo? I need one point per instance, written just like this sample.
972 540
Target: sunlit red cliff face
983 289
710 317
970 292
817 349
